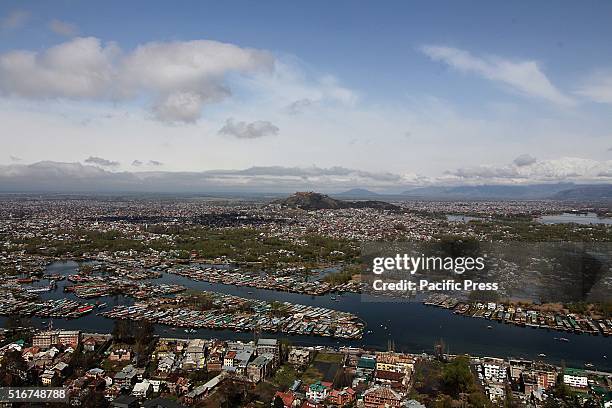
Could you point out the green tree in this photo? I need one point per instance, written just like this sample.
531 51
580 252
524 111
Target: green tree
478 400
457 377
284 377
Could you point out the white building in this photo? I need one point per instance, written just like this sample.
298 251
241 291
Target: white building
142 389
494 369
575 378
317 392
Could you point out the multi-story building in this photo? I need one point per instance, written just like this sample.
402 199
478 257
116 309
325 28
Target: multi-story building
389 361
48 338
228 359
126 377
318 391
575 378
495 391
195 353
341 397
120 354
242 360
530 382
393 379
547 377
269 346
142 389
518 366
299 356
494 369
259 368
379 396
48 377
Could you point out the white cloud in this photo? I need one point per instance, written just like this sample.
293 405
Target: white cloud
79 69
244 130
15 19
63 28
561 169
179 77
598 88
526 77
296 89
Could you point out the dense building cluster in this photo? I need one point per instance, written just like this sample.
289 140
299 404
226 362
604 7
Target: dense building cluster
137 248
188 372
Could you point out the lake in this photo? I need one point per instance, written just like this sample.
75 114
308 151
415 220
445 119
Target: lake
412 326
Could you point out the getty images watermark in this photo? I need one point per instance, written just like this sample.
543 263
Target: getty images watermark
533 271
424 264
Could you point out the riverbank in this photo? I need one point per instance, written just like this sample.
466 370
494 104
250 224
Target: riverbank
411 326
519 316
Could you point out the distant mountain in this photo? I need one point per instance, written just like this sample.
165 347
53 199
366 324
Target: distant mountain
513 192
590 192
316 201
357 193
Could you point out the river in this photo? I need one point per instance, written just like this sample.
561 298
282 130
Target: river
412 326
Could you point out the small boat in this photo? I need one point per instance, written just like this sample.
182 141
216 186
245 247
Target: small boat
588 365
563 339
541 355
489 327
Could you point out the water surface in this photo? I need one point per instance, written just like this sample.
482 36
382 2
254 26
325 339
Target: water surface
411 326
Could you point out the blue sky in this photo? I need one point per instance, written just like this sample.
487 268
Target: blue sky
432 92
351 39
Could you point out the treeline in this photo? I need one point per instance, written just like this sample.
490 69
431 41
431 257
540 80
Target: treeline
243 244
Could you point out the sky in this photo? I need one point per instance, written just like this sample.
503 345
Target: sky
318 94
